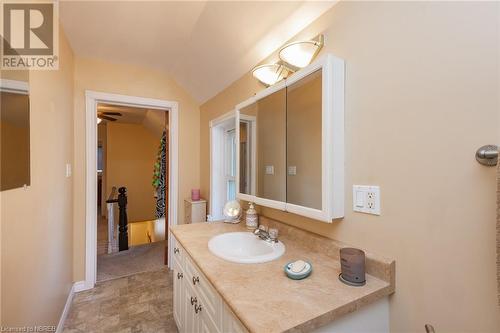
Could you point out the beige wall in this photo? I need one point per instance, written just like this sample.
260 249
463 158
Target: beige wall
135 81
131 155
36 223
422 94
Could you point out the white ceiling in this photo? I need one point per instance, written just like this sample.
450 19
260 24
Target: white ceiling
204 46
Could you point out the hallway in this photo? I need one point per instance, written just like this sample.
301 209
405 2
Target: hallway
137 259
137 303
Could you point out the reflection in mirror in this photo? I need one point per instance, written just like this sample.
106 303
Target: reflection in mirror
248 123
244 157
304 106
271 146
14 134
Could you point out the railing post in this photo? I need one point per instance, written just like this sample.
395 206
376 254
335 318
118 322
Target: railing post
123 221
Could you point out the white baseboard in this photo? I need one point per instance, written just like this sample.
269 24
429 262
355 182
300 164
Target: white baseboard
77 286
64 314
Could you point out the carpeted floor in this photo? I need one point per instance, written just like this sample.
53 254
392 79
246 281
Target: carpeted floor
137 303
102 233
140 258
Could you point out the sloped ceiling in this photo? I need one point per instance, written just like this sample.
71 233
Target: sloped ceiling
204 46
153 120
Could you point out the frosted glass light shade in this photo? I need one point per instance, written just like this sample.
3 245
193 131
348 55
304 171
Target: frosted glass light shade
300 54
99 120
232 211
269 74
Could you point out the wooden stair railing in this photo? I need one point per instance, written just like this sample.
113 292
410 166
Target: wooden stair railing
122 219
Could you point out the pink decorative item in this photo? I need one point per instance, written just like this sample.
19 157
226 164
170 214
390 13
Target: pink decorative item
195 194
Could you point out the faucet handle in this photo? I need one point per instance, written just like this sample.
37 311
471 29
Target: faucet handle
263 227
273 234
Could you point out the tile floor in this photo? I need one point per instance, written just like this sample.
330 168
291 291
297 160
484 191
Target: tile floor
138 303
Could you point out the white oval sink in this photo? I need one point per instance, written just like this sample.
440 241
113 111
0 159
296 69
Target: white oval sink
244 248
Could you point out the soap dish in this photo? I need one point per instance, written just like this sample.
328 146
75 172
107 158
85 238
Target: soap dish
300 275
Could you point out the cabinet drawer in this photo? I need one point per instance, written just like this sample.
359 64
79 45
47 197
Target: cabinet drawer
178 255
208 296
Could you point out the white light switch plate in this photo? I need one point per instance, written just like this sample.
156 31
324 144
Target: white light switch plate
269 169
366 199
68 170
292 170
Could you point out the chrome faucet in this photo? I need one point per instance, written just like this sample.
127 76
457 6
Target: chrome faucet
263 234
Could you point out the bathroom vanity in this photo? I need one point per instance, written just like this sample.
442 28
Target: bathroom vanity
215 295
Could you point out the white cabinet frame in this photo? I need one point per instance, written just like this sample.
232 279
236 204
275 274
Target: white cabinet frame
332 176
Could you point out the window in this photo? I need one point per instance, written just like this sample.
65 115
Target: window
222 164
99 159
230 164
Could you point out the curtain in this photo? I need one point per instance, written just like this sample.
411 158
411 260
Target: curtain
159 180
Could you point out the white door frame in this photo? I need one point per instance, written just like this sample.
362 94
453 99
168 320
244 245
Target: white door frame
216 152
92 98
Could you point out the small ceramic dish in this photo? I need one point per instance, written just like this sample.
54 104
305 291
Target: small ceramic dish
300 275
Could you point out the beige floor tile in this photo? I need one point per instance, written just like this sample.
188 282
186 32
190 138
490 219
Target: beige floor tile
137 303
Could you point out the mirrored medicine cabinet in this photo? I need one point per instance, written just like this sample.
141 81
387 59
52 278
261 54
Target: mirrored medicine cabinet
290 143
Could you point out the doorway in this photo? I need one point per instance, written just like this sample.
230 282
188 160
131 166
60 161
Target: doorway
132 156
93 101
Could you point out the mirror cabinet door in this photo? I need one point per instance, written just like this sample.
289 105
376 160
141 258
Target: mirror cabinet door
271 147
303 141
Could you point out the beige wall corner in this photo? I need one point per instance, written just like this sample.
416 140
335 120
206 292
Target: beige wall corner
422 82
130 80
36 223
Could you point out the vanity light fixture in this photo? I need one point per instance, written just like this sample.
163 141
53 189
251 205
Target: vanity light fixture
99 121
300 54
269 74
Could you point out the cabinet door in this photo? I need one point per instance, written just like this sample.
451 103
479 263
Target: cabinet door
230 323
199 212
304 141
206 294
271 147
179 300
207 325
192 322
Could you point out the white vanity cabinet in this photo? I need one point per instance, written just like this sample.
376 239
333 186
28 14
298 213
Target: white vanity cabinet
197 306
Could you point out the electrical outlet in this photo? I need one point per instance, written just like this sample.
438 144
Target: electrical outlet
366 199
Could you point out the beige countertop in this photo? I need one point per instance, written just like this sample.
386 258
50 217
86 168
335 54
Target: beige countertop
261 295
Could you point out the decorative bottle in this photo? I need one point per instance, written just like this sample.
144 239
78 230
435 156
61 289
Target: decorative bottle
252 219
